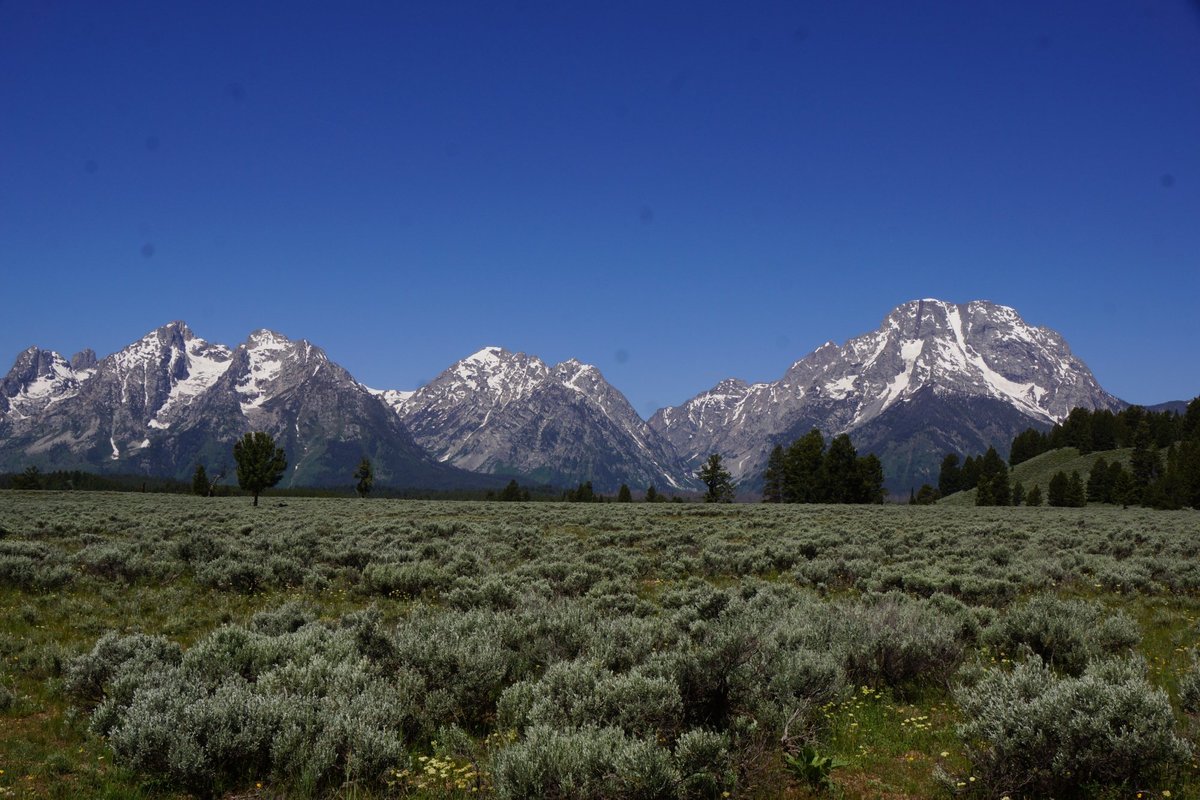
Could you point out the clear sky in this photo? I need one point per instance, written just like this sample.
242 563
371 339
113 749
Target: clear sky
675 192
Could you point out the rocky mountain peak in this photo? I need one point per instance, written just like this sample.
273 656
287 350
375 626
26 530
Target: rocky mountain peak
37 378
171 400
499 411
84 359
972 352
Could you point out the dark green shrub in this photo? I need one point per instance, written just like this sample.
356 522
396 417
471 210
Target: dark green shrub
288 618
705 765
1189 687
237 572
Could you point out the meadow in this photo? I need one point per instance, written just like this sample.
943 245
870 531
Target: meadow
167 646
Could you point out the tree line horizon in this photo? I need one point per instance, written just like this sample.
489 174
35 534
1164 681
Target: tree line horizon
1164 469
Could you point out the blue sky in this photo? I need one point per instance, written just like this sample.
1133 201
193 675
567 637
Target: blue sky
675 192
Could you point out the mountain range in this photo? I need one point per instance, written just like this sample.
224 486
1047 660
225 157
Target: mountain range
172 400
935 377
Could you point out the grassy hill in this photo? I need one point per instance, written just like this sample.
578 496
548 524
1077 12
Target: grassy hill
1038 470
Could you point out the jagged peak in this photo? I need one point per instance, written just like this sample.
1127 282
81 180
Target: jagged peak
84 359
487 355
44 361
267 338
730 385
573 369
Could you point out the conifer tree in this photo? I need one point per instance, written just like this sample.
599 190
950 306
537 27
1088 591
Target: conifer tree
260 464
950 476
992 484
970 474
1098 489
1076 495
1034 498
1027 444
30 479
1057 496
870 479
717 479
624 495
1123 489
804 462
200 481
775 476
365 476
651 494
984 495
1144 462
1018 493
842 479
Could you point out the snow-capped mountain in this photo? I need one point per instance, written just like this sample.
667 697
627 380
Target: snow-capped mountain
935 377
510 413
172 400
41 377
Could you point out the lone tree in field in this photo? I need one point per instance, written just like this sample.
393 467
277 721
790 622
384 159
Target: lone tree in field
624 495
717 479
260 464
366 477
200 481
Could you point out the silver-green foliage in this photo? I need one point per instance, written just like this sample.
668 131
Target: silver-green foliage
304 707
589 764
32 566
1066 634
1031 732
1189 687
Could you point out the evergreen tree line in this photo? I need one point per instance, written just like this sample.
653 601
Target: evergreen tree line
1093 431
1163 471
32 478
988 474
584 493
807 472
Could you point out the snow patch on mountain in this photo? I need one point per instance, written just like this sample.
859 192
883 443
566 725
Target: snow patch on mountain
266 352
976 350
206 363
496 410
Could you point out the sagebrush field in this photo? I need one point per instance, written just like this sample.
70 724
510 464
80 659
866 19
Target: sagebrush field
159 646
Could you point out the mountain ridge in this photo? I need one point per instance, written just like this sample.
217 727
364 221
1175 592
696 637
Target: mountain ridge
933 376
977 350
171 400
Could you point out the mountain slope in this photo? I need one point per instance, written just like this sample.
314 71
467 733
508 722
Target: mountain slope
172 400
933 377
510 413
